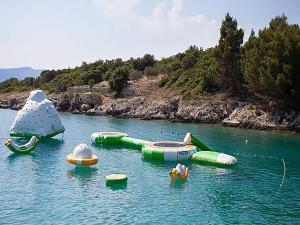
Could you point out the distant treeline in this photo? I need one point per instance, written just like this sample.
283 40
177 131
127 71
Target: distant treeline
267 66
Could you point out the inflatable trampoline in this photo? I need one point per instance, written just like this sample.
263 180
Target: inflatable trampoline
190 149
168 151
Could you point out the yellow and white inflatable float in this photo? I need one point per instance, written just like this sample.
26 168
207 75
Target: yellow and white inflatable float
82 156
180 172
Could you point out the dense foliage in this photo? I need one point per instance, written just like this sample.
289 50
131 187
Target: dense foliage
119 79
267 66
271 62
192 71
86 74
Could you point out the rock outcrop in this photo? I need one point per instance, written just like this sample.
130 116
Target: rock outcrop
14 103
77 103
228 112
251 116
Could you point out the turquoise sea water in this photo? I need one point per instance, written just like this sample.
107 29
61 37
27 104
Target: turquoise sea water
41 188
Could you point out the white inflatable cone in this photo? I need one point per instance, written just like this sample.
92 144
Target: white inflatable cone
38 117
187 139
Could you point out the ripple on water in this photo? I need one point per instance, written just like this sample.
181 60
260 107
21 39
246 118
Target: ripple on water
42 188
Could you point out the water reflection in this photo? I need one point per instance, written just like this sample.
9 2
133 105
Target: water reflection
223 171
45 144
115 187
178 184
51 144
82 173
159 164
12 158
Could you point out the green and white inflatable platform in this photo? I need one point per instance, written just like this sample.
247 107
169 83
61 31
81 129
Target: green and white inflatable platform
190 149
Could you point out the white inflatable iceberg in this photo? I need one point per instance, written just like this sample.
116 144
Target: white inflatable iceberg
37 118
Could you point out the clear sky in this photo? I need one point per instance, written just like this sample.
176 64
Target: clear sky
51 34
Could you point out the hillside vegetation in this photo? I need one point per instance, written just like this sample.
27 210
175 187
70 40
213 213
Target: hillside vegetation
267 66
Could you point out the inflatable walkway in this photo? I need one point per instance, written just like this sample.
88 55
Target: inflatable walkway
190 149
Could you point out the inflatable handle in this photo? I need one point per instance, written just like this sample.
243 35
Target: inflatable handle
28 147
191 139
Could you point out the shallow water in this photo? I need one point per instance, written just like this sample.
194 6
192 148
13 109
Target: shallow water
41 188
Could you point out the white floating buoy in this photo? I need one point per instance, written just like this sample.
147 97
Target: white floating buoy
246 141
82 151
82 156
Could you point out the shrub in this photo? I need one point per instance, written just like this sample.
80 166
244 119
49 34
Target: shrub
119 79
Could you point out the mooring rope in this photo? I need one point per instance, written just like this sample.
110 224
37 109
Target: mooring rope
283 176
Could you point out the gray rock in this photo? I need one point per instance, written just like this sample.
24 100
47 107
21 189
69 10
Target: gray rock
85 107
228 113
251 117
230 122
75 102
91 112
63 103
76 111
16 103
295 124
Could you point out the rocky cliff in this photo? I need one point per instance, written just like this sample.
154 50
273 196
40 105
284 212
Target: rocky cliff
229 113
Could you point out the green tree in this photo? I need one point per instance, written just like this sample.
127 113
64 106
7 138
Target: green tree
190 57
141 63
149 71
119 79
28 81
228 55
60 87
9 85
46 76
135 74
85 77
271 62
91 83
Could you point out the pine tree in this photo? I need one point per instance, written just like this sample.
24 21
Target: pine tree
228 55
271 62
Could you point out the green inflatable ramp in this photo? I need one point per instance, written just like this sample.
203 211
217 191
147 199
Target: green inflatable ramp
214 158
191 139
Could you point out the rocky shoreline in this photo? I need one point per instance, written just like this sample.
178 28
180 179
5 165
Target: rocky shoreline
230 113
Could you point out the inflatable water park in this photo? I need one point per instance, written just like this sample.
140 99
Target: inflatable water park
39 120
190 149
